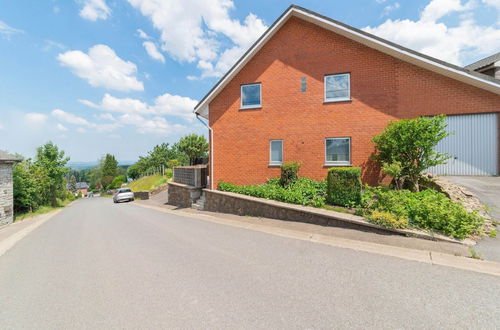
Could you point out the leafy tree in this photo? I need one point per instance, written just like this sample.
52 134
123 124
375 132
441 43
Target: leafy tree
109 167
52 164
133 172
118 181
410 144
72 184
194 146
27 193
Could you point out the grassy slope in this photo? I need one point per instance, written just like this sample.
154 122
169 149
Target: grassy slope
42 210
147 182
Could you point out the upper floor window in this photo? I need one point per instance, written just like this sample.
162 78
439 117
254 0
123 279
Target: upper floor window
337 87
276 152
338 151
251 96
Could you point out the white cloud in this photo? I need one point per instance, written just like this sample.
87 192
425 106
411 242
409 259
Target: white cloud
166 104
142 34
460 44
61 127
81 130
7 30
390 8
69 118
95 9
153 51
190 31
101 67
36 118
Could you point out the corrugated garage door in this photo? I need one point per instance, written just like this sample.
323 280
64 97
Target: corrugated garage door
473 146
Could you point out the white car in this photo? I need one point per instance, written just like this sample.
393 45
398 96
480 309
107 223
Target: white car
123 194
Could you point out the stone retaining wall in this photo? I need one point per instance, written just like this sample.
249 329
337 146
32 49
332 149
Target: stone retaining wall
227 202
141 195
182 195
6 194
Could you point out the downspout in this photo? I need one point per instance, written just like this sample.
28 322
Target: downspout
211 160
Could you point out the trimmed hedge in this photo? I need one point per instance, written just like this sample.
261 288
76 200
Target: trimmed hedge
344 186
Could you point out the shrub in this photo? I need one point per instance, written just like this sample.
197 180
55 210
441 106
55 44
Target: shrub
169 173
411 143
173 163
117 182
344 186
427 209
289 173
303 191
389 220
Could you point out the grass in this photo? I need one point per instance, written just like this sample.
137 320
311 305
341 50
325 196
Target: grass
42 210
147 183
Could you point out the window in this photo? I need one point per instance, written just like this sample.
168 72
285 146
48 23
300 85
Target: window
338 151
276 152
303 86
251 96
337 87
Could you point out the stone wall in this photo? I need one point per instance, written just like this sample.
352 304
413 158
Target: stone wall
142 195
182 195
6 194
226 202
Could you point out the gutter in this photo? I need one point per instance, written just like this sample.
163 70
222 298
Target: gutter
211 157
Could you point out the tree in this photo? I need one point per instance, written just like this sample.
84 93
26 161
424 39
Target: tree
194 146
118 181
410 144
27 194
72 184
52 164
133 172
109 167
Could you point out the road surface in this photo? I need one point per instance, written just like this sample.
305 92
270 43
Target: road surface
98 265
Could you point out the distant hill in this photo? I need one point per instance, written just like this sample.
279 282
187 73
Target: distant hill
85 165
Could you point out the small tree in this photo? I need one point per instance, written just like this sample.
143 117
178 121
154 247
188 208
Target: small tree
289 173
72 184
411 144
194 146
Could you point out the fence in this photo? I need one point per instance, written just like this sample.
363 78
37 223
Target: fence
195 176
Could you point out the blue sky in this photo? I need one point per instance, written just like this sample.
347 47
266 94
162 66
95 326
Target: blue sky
120 76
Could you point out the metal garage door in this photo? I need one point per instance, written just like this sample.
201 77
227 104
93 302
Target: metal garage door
473 146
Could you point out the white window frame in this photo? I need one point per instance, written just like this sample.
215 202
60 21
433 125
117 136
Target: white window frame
275 163
337 99
338 163
253 106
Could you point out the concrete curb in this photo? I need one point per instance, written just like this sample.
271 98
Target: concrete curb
433 258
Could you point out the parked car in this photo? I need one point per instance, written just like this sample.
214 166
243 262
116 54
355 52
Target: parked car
123 194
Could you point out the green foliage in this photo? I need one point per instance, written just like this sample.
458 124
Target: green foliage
147 182
303 191
493 233
118 181
194 146
394 170
109 170
173 163
389 220
344 186
289 173
72 183
52 163
426 209
169 173
412 142
27 189
133 172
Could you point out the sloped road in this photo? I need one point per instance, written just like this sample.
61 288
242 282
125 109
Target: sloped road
97 265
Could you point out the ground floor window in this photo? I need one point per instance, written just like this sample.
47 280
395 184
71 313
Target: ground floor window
276 152
338 151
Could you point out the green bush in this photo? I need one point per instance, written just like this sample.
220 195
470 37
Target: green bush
389 220
289 173
344 186
302 191
169 173
427 209
117 182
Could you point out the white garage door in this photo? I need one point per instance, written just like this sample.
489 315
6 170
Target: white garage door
473 145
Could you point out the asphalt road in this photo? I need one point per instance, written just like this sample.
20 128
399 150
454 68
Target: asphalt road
98 265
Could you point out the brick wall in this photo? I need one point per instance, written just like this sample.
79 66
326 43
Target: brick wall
6 194
383 88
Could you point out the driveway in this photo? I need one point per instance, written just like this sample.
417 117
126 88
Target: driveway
99 265
487 189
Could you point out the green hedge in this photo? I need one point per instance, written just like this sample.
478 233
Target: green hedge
344 186
302 191
289 173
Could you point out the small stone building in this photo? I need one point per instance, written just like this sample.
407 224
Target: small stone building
7 161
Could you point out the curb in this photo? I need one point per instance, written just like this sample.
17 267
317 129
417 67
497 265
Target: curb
433 258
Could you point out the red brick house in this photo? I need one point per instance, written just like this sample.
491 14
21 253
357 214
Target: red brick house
316 91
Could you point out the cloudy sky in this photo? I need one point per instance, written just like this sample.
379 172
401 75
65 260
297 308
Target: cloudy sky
121 76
